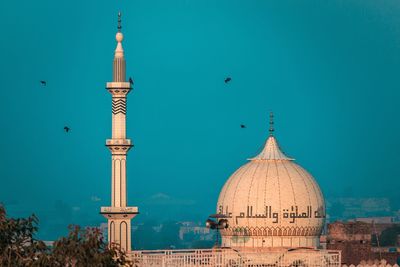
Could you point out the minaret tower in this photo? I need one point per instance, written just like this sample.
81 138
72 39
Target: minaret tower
119 215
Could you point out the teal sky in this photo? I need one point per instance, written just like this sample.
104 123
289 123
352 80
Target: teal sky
328 69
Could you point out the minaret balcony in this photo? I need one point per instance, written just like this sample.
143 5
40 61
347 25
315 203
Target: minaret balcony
121 142
118 88
134 210
119 212
119 146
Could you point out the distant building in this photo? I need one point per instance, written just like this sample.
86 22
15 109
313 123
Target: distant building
397 216
350 207
355 241
376 220
200 232
379 224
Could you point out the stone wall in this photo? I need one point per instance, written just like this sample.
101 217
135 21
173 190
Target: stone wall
353 239
371 263
352 252
349 231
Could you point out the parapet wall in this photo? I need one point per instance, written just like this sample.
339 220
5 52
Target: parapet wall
357 231
237 258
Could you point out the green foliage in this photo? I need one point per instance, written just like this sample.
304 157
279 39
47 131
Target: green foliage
18 247
389 236
81 248
86 248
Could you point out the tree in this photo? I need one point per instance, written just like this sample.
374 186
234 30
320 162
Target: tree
389 236
86 247
82 247
18 247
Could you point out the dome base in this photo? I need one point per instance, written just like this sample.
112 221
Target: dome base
270 241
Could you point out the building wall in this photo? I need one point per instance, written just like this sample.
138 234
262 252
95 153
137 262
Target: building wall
353 239
352 252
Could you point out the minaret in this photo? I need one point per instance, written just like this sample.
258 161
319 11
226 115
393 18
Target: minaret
119 215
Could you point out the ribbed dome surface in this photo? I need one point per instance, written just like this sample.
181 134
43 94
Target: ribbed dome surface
271 202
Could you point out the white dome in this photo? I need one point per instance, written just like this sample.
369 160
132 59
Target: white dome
271 202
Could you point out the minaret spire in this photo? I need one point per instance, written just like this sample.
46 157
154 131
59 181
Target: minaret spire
119 21
119 60
119 215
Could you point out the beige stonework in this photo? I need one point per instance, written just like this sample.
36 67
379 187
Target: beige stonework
271 202
119 215
236 258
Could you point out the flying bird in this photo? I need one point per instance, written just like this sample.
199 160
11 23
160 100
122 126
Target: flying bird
43 83
66 129
228 79
242 126
130 80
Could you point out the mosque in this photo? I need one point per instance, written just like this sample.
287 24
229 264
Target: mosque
271 202
270 212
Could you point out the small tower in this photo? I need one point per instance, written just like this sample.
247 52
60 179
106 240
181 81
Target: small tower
119 215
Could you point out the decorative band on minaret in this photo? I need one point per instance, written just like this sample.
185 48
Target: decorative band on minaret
118 214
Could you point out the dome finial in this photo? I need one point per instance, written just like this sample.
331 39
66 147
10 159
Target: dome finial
271 150
119 21
271 123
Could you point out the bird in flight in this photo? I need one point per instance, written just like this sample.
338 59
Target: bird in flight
228 79
67 129
242 126
130 80
43 83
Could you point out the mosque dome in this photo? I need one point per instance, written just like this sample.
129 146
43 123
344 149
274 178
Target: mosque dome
271 202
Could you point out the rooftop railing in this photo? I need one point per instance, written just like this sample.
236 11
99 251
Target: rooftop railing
227 257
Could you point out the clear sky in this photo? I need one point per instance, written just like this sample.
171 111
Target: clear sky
328 69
